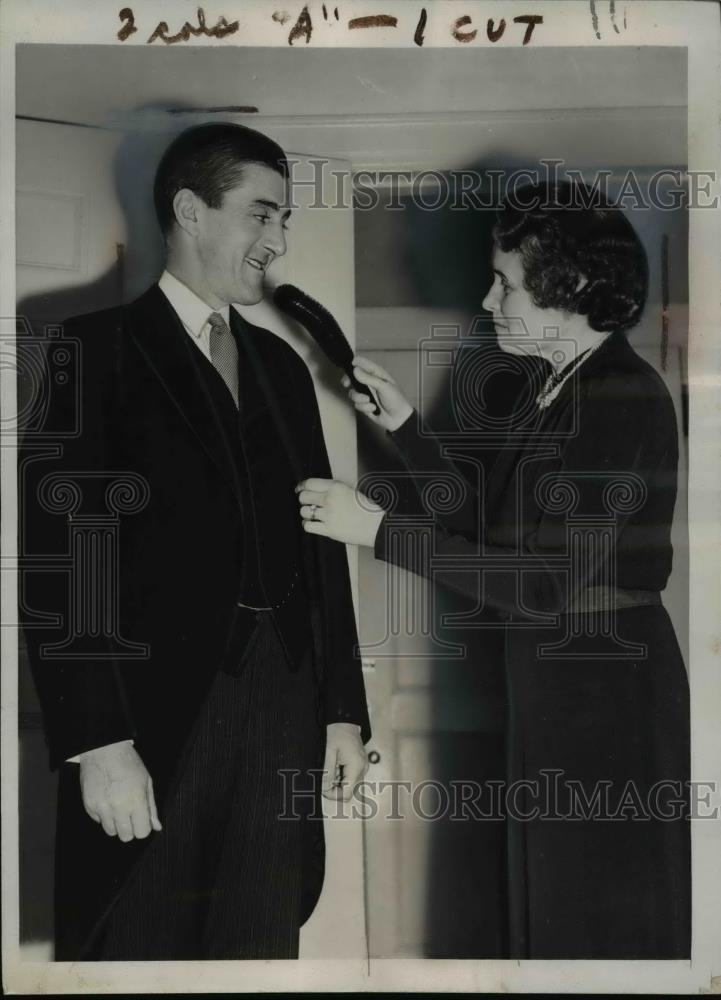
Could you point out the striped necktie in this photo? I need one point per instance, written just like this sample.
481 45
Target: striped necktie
224 353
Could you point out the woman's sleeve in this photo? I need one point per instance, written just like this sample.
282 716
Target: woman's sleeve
626 430
427 461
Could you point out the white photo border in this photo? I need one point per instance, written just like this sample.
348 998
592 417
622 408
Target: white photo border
687 24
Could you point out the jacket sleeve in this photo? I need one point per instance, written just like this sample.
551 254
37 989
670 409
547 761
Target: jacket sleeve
63 472
427 460
626 426
344 698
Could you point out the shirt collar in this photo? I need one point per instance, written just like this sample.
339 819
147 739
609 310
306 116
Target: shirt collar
193 312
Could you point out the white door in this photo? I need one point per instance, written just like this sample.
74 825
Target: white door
433 876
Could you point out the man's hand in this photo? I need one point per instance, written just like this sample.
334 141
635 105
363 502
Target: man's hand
118 791
345 760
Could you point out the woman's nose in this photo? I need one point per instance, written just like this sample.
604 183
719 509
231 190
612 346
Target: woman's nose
490 302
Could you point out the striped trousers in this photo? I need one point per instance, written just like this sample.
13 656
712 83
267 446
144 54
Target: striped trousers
229 876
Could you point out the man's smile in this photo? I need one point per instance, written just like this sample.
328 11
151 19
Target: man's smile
258 265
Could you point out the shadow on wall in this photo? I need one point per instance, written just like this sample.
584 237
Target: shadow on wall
450 260
142 261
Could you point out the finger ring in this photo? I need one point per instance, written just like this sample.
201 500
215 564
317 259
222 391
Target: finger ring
313 509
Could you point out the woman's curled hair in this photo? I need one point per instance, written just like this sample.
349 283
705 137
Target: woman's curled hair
580 254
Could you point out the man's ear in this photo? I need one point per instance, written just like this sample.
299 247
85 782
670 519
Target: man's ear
186 211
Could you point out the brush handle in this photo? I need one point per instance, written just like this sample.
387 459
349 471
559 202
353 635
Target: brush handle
359 387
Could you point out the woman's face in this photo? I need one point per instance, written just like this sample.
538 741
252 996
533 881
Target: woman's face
521 326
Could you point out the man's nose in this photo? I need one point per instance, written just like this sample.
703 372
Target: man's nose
274 239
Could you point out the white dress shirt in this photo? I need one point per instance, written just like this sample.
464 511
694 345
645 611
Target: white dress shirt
193 312
194 315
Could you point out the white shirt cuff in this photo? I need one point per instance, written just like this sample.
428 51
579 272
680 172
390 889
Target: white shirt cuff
76 760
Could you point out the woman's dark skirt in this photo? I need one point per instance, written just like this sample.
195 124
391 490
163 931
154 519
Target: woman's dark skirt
599 757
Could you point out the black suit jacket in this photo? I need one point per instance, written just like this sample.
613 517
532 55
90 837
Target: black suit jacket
146 418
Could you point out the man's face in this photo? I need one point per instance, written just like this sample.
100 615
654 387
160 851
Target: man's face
238 241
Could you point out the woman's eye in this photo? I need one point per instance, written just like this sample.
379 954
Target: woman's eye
263 218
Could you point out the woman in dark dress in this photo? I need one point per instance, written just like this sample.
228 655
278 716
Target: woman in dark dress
575 523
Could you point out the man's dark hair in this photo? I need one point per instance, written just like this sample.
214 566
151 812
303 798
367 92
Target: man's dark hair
566 233
210 160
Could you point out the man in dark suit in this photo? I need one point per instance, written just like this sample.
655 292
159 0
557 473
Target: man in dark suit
206 666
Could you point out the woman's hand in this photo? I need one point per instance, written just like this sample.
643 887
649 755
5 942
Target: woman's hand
395 408
337 511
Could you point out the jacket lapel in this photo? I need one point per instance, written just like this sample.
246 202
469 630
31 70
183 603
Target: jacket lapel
164 343
278 412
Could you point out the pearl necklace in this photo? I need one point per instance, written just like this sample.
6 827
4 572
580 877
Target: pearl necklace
555 381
